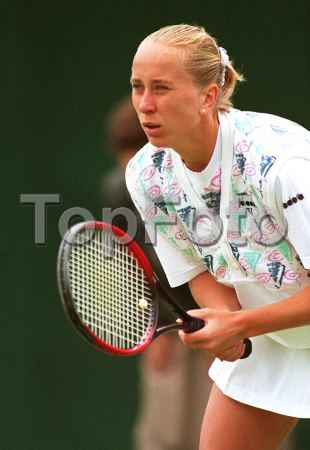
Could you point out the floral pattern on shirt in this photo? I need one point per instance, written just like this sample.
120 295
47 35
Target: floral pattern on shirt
255 236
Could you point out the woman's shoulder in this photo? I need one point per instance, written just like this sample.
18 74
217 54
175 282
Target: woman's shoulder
149 158
147 167
250 122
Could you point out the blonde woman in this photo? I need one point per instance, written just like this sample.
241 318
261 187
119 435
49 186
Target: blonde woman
225 195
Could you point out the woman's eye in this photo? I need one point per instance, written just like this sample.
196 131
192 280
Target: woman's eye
161 87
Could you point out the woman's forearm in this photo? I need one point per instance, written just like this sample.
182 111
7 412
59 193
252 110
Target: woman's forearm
227 325
208 293
289 313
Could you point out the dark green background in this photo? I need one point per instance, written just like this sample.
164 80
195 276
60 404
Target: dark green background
63 65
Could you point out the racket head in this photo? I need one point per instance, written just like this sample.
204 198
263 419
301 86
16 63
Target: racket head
107 288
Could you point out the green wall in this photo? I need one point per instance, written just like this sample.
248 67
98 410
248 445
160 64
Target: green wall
64 64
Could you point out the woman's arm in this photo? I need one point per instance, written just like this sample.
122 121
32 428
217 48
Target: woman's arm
225 328
211 295
289 313
208 293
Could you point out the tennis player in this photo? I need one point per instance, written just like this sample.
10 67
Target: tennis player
225 194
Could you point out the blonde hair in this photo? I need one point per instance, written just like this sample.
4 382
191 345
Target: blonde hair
201 58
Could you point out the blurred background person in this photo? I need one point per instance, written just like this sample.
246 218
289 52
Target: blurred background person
174 380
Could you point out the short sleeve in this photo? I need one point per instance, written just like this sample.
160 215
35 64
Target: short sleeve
293 181
180 265
140 200
178 268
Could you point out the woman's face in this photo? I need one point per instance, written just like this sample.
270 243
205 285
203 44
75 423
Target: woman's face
165 97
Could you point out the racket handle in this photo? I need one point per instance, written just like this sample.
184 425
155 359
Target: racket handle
193 324
248 348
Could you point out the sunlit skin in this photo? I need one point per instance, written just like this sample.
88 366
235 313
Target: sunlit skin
174 112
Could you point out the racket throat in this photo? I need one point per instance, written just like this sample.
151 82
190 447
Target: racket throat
189 325
167 328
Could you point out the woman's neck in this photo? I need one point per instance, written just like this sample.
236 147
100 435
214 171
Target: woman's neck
198 153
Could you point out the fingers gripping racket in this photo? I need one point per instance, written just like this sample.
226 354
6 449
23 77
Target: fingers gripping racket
110 292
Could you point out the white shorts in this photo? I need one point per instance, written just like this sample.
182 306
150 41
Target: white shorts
273 377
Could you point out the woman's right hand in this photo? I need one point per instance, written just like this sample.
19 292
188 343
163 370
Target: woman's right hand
220 336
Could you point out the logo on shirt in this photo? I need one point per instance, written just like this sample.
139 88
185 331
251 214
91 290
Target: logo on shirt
293 200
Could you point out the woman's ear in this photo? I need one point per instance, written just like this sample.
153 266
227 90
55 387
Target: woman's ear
210 95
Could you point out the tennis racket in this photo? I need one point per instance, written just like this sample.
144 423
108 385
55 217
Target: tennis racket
110 292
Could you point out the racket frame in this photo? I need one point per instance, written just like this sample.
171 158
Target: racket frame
159 293
63 277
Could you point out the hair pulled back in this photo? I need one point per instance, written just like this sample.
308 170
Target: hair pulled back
202 59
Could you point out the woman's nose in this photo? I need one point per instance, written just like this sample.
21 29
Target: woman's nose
147 102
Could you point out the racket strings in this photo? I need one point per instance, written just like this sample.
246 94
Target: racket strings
108 285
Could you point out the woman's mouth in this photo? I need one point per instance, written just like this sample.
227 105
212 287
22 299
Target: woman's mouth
150 127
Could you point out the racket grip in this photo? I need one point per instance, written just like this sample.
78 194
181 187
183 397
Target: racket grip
248 348
192 325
